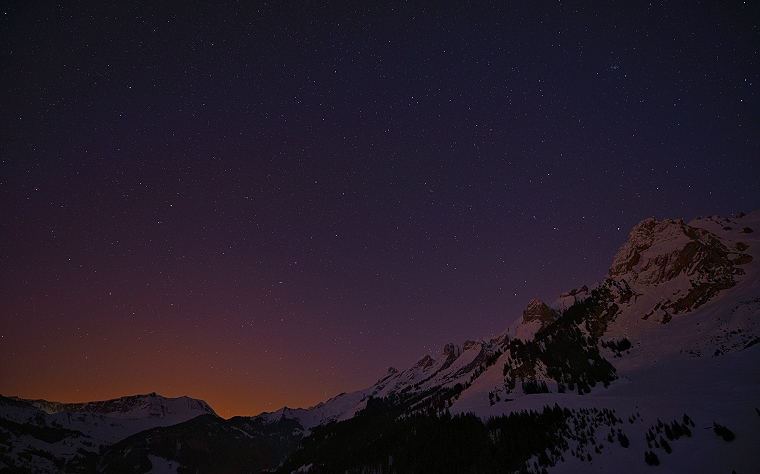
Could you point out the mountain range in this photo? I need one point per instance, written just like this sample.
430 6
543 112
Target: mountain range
654 366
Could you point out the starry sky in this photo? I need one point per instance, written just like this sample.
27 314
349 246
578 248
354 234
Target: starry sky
268 203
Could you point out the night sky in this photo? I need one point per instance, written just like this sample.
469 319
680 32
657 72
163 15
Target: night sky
262 204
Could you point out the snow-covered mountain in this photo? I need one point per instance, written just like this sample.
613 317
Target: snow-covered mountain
657 363
672 328
64 433
432 382
678 318
150 406
663 272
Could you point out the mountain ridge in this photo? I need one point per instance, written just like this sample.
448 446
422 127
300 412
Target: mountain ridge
674 322
130 406
711 271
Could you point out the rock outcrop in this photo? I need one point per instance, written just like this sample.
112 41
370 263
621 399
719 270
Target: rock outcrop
657 252
696 263
538 311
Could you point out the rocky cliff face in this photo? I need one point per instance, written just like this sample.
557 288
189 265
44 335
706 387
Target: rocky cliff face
690 264
536 316
657 252
538 311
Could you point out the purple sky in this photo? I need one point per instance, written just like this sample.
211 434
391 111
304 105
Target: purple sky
263 205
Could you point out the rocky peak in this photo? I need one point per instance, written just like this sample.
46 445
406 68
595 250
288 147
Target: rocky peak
451 351
469 345
538 311
656 252
691 264
424 363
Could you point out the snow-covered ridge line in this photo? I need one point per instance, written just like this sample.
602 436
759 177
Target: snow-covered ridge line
666 268
133 406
